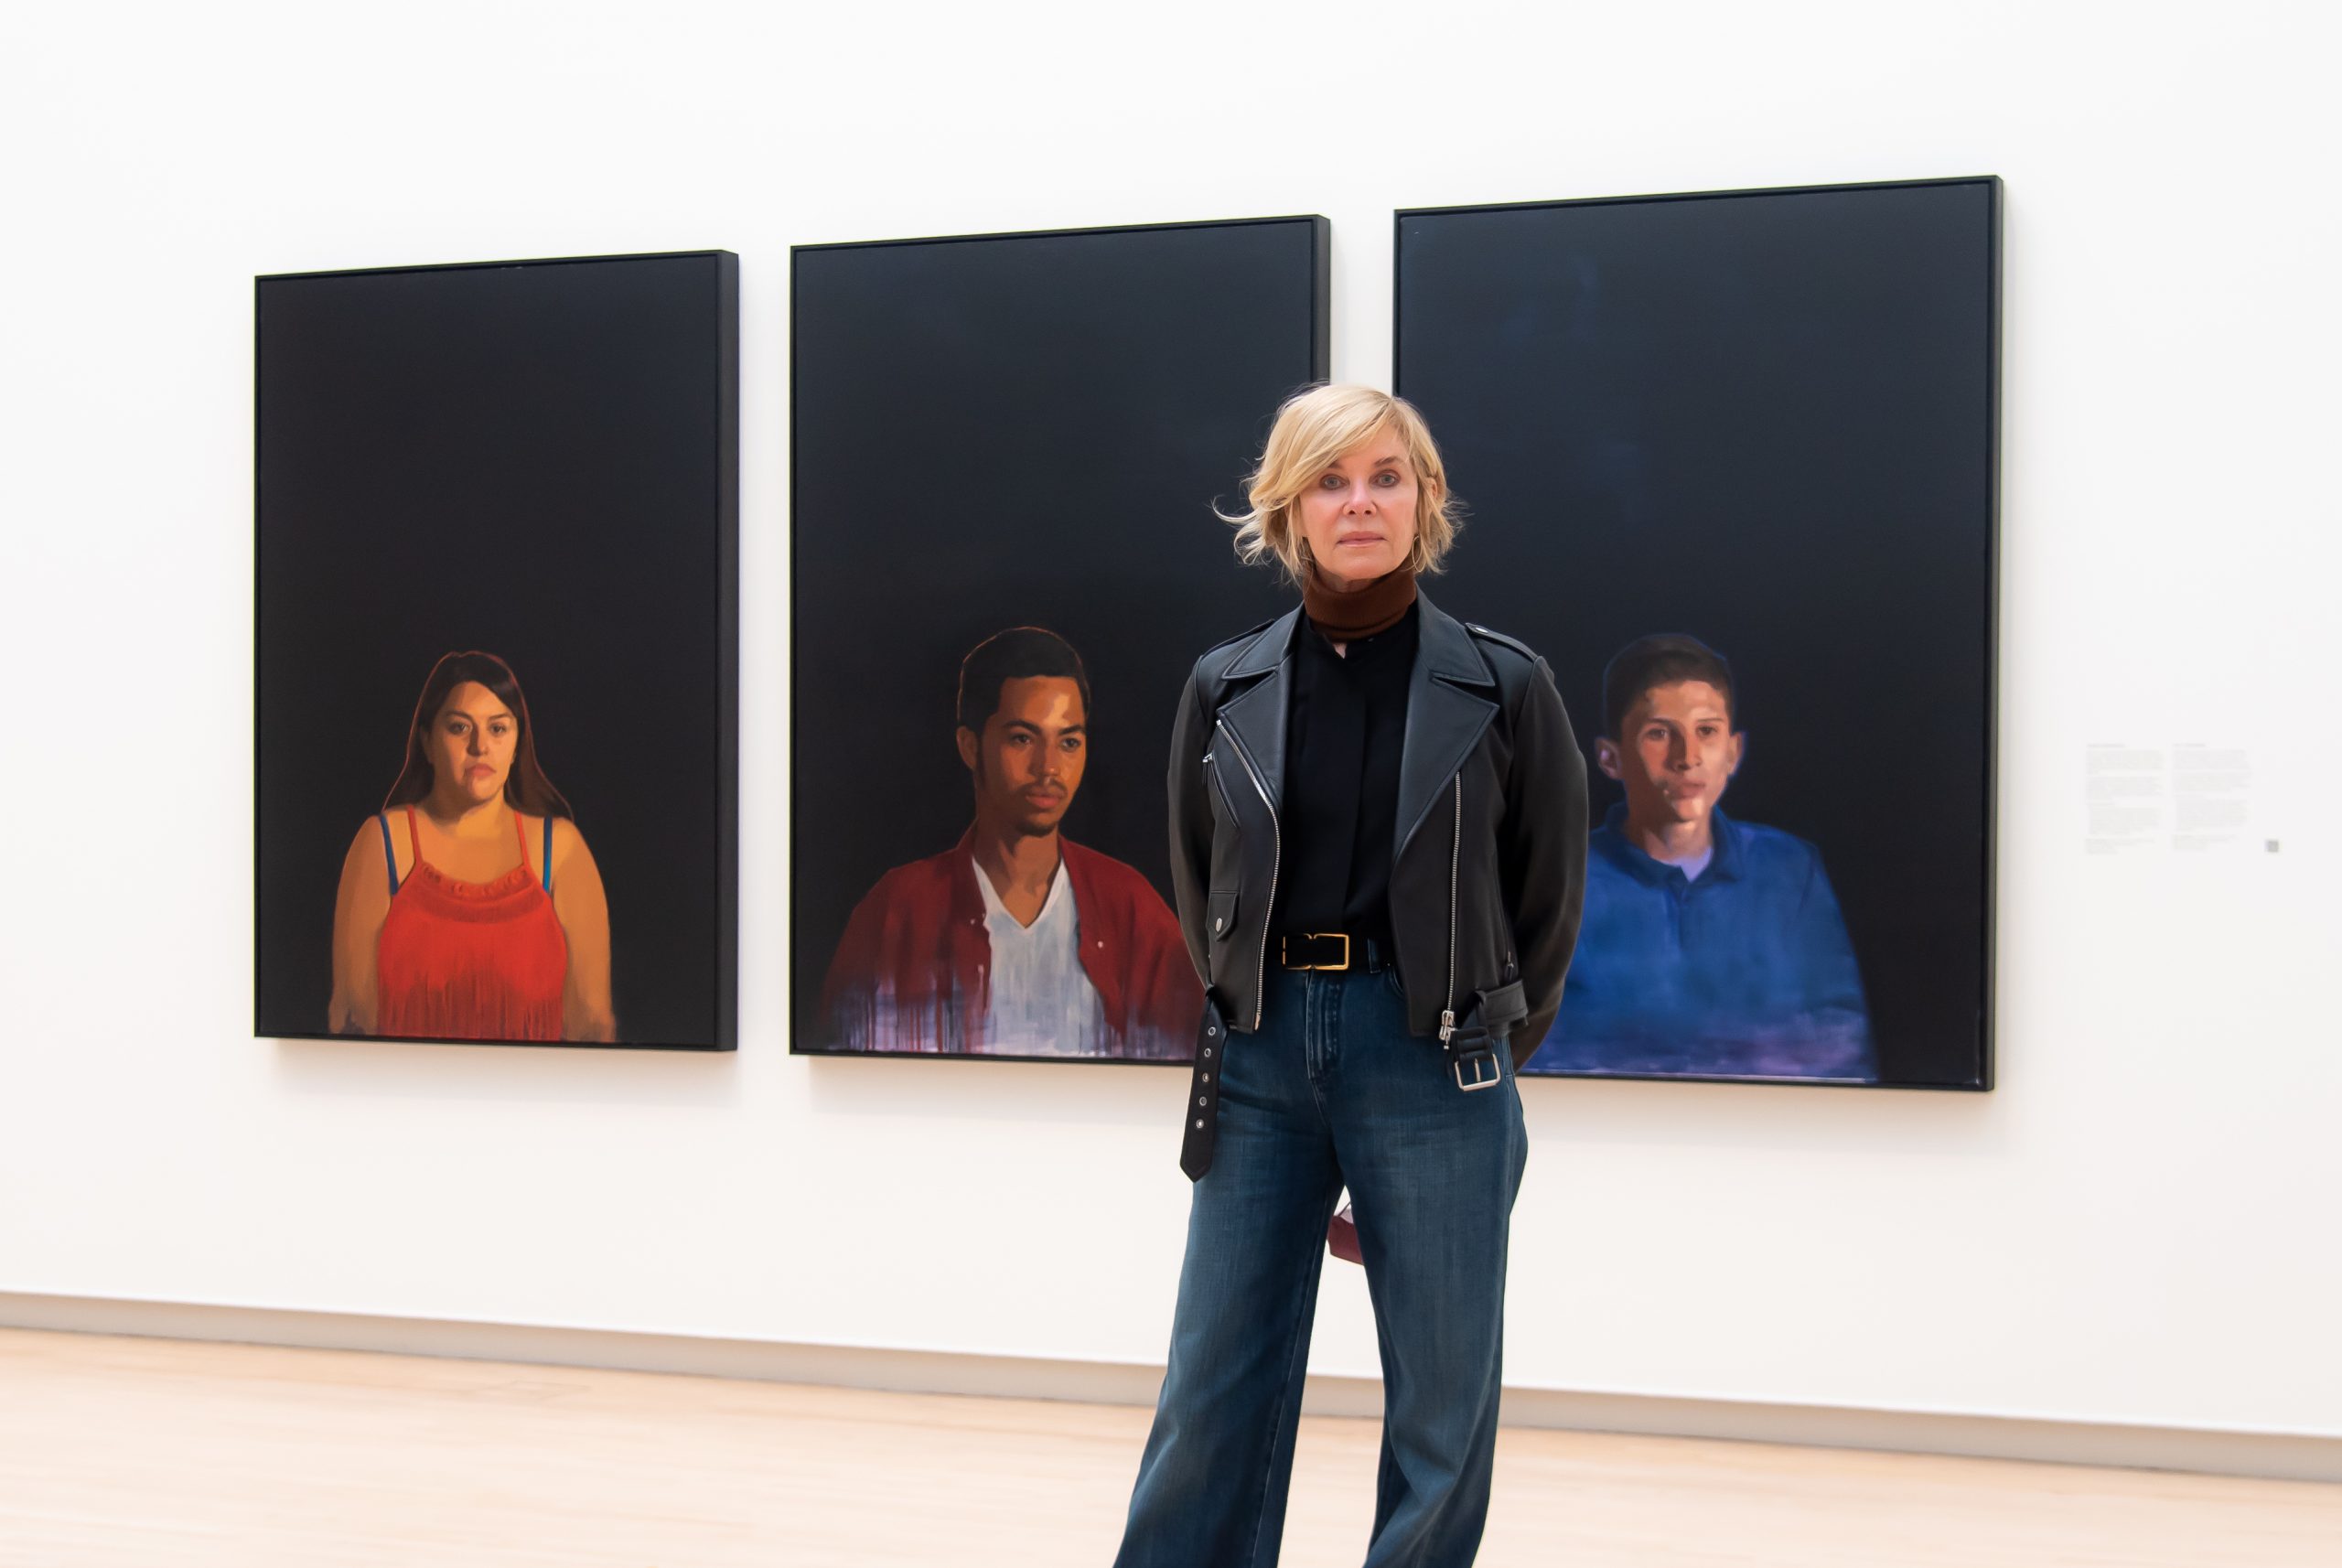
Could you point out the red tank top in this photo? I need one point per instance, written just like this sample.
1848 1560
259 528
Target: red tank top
470 960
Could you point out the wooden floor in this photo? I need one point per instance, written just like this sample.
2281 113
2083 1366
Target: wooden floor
156 1453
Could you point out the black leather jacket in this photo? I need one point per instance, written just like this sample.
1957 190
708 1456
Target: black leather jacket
1488 875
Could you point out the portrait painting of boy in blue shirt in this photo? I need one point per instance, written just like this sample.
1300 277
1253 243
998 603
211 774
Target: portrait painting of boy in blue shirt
1711 947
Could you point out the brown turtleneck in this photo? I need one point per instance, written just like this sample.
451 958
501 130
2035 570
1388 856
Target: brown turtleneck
1362 611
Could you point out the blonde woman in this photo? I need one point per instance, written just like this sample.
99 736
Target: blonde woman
1378 829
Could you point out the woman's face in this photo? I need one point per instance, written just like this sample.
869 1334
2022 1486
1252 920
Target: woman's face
470 743
1357 516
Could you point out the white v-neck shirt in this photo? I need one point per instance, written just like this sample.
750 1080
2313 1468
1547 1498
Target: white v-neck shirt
1042 1002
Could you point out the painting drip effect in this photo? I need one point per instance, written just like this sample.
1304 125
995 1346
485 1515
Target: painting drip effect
876 1019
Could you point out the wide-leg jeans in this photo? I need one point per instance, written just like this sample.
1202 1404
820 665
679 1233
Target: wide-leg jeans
1332 1090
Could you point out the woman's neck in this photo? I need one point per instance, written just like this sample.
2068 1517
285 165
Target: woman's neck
463 817
1344 614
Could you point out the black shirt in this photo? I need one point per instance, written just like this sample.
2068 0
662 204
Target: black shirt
1348 722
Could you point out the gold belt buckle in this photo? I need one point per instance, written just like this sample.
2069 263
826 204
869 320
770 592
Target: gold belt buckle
1344 937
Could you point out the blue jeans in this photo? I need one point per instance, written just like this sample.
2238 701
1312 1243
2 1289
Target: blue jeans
1332 1090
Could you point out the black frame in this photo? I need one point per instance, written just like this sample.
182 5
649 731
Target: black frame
724 612
1320 369
1990 739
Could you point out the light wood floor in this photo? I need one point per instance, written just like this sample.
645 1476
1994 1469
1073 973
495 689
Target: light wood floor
159 1453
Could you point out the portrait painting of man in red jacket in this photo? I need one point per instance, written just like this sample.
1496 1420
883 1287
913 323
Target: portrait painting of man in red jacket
1016 941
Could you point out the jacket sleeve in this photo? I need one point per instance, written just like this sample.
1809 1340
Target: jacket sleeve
1191 823
1830 1005
1173 1001
1541 853
850 993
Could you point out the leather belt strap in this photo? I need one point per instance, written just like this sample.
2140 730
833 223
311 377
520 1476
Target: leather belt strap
1202 1122
1472 1045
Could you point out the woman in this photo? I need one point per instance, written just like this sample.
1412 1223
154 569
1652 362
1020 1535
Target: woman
471 907
1377 829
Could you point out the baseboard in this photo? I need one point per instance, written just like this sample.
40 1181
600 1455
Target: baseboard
2280 1456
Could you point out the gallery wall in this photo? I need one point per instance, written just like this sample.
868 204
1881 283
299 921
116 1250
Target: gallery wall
2134 1226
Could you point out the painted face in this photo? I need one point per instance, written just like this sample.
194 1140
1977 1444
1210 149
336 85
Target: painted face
1028 761
1674 754
471 742
1358 516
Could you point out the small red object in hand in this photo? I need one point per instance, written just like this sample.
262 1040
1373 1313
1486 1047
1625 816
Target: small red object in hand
1342 1236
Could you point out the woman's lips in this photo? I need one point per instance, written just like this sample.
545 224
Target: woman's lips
480 771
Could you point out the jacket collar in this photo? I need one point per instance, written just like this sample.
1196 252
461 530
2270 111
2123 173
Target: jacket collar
1444 718
1445 714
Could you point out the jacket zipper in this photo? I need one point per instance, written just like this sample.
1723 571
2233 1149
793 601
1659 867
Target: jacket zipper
1454 860
1276 855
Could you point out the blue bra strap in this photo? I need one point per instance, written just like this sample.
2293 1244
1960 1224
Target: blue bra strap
390 855
548 855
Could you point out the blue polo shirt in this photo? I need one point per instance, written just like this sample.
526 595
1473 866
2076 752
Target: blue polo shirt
1745 972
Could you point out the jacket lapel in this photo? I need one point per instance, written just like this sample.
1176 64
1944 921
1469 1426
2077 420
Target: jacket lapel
1444 721
1257 715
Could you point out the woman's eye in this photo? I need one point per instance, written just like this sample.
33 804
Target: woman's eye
1388 478
1330 482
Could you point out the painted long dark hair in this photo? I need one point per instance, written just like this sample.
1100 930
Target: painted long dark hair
526 788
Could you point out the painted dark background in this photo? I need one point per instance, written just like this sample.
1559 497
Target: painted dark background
1018 430
1765 419
538 460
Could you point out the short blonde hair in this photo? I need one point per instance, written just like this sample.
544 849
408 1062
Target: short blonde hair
1315 427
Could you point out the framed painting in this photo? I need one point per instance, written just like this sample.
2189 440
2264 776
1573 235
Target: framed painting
1732 462
495 651
1006 454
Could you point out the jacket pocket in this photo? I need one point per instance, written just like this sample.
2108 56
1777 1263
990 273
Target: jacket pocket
1219 915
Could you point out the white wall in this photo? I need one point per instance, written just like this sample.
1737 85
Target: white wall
2137 1226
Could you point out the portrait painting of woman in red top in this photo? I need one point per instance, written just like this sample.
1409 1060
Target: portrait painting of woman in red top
469 906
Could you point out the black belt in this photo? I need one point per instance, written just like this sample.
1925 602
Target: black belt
1334 951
